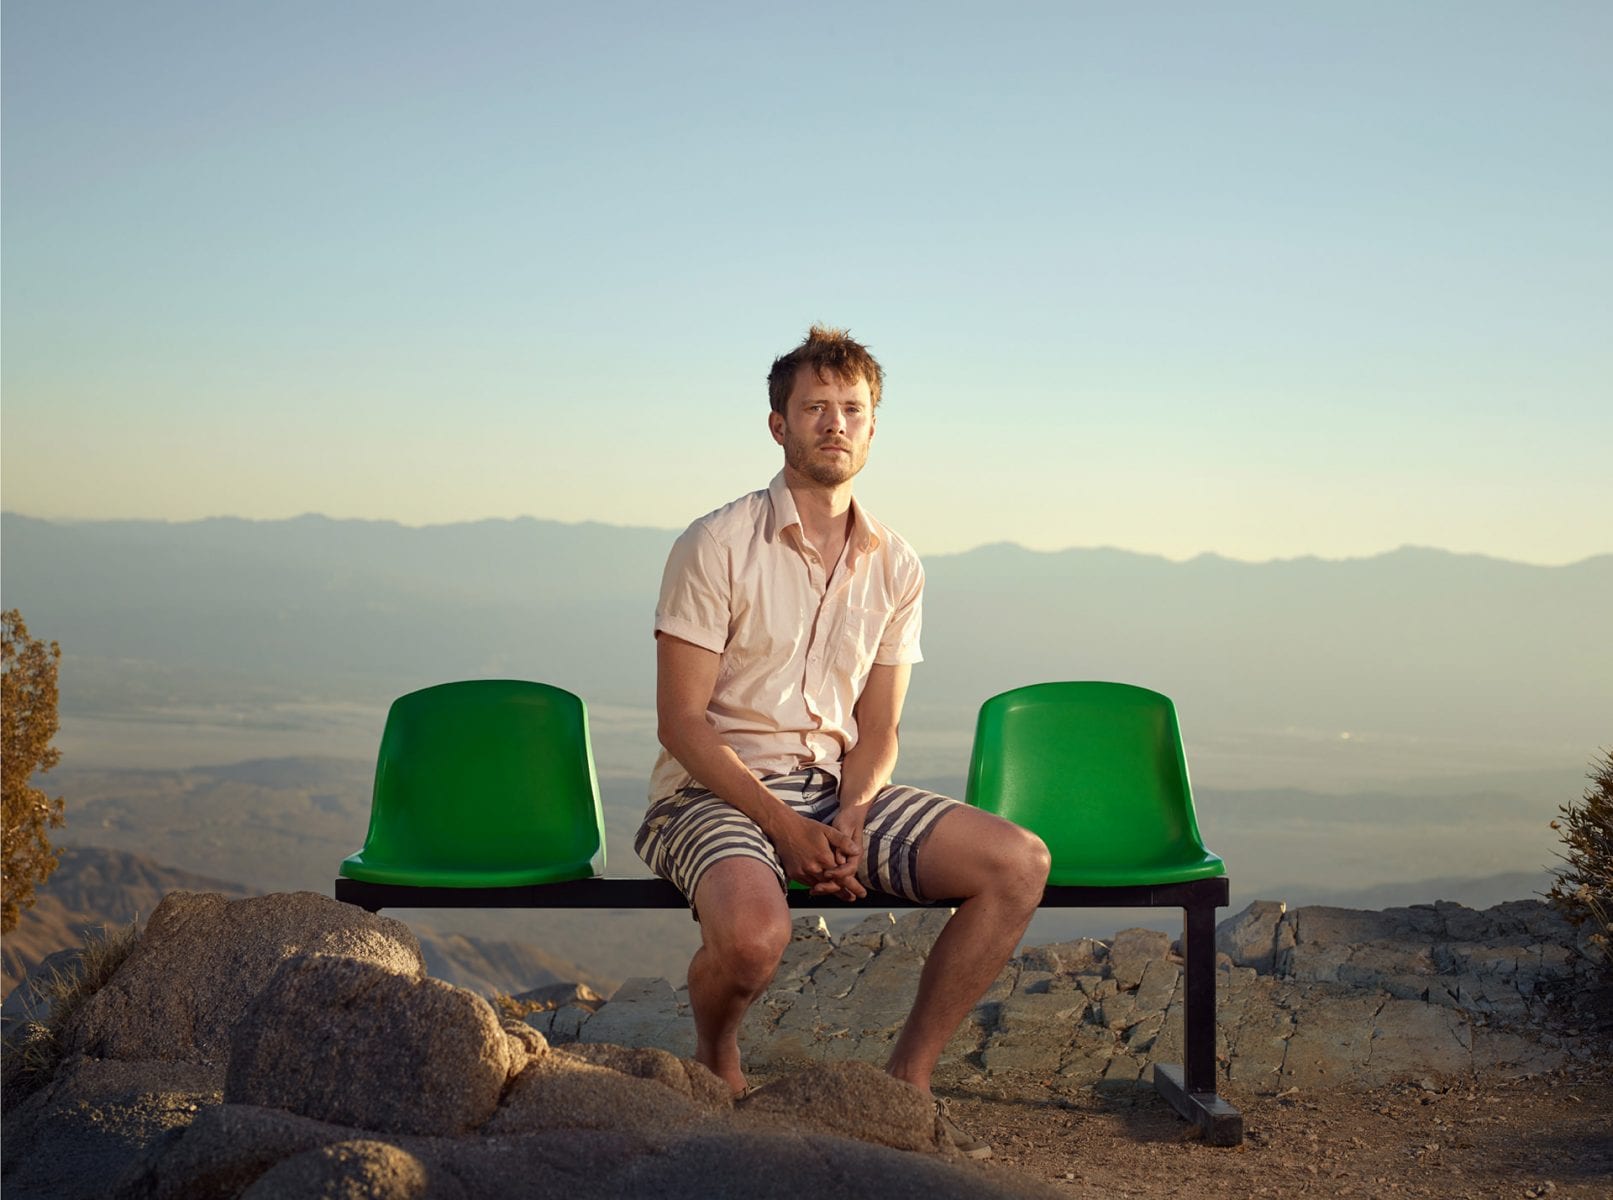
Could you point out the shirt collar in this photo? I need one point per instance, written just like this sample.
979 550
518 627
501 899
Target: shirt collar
864 537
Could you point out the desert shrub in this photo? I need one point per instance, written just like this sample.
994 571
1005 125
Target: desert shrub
545 999
1583 889
27 725
511 1009
35 1050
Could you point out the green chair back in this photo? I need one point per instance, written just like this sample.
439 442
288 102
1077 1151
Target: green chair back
1095 769
485 783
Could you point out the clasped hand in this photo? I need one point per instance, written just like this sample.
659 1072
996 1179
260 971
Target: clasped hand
824 857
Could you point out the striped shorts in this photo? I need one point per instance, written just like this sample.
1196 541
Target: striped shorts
686 833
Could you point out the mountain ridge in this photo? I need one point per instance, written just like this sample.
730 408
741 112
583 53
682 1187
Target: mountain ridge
96 887
528 522
351 609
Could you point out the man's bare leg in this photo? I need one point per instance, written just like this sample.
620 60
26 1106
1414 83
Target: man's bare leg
998 870
744 928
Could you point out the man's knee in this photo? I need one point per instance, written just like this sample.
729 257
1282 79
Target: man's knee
973 853
1021 864
744 921
1036 861
749 950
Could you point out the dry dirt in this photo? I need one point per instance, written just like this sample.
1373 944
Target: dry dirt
1546 1136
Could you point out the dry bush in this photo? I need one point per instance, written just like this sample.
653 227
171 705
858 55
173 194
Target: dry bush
544 999
511 1009
27 725
35 1050
1583 890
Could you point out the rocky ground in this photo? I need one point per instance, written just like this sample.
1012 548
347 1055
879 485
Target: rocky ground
1469 1138
1316 997
292 1046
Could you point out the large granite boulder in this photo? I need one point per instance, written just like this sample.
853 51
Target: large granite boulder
683 1075
360 1169
352 1042
852 1100
774 1165
224 1151
79 1131
561 1091
203 958
239 1150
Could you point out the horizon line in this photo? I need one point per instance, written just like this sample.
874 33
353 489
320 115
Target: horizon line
310 516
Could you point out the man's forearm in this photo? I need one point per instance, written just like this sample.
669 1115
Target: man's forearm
867 767
714 765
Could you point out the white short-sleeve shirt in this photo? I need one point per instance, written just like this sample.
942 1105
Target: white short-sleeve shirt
798 637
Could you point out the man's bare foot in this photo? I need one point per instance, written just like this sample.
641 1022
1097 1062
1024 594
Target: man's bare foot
725 1067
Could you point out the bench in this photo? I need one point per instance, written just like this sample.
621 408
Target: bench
486 797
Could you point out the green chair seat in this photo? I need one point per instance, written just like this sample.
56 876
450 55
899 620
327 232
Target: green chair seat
1097 771
483 783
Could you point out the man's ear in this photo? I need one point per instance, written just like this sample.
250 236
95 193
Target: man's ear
775 426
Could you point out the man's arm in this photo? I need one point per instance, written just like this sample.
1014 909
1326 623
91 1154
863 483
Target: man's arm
810 851
868 765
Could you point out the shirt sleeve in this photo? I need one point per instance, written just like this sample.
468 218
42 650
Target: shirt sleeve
695 592
899 643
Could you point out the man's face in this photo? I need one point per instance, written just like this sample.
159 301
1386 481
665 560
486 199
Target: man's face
826 428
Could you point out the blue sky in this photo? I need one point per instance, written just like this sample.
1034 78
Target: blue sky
1258 279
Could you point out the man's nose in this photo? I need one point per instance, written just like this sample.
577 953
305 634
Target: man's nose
835 419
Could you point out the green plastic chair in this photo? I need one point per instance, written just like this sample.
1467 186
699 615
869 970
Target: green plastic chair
484 783
1097 771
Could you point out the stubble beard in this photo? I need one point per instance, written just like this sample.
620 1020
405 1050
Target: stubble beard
829 471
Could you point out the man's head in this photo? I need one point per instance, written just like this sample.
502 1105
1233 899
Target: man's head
829 354
823 397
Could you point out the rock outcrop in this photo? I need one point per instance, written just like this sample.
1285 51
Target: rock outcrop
852 1100
290 1045
240 1151
203 958
350 1042
1312 996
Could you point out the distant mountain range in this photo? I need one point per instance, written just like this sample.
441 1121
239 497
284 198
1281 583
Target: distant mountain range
94 888
284 825
1405 722
1415 642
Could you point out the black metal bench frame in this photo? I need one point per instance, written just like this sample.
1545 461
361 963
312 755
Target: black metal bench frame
1190 1088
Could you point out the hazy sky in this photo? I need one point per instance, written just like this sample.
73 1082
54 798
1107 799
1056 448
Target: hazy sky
1260 279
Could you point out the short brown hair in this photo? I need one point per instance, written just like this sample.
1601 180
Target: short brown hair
827 351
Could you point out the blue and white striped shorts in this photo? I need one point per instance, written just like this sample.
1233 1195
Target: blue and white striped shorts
686 833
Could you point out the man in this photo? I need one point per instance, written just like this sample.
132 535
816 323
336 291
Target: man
787 626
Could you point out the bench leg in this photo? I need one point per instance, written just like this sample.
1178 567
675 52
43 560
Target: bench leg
1191 1089
350 891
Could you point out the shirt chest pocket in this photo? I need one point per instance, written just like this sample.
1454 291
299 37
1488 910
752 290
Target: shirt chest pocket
858 643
